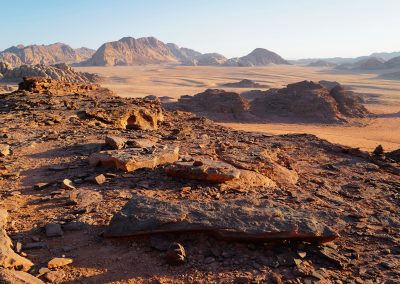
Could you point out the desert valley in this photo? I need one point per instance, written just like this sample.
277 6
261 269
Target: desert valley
146 162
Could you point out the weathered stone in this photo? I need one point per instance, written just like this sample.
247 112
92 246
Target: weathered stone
46 85
59 262
17 277
53 230
8 258
141 143
85 200
176 254
100 179
132 159
55 276
333 256
115 143
4 150
209 170
240 219
73 226
251 179
67 184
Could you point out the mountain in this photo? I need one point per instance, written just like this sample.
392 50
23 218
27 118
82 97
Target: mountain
393 63
44 54
258 57
186 56
321 63
131 51
386 55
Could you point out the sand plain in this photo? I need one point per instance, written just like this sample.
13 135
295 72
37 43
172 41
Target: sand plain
382 96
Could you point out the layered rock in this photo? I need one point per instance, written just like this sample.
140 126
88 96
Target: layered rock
60 72
45 85
238 219
311 102
44 54
132 159
209 170
218 103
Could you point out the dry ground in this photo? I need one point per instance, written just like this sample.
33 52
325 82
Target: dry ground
174 81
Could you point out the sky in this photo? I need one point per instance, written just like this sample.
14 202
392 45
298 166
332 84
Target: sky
292 28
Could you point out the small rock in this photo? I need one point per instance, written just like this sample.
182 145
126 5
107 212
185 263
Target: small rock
59 262
37 245
116 143
100 179
53 230
42 271
176 254
55 276
67 184
73 226
4 150
41 186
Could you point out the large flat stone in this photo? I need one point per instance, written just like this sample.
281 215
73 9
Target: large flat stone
209 170
17 277
239 219
131 159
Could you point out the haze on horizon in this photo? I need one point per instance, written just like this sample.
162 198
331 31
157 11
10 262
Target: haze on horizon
293 29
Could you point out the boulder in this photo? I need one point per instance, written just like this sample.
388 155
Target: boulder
131 159
251 219
115 142
203 169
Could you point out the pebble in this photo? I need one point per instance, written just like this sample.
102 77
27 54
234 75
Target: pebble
67 184
100 179
59 262
176 254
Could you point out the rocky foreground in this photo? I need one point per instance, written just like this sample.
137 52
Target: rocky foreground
97 189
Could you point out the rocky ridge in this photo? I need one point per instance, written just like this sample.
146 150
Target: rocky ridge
60 72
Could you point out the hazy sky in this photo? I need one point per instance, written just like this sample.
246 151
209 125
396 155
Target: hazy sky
292 28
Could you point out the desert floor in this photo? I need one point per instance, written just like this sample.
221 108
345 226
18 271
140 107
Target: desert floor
383 96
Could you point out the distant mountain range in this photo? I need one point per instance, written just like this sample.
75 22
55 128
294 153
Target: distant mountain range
131 51
149 50
45 54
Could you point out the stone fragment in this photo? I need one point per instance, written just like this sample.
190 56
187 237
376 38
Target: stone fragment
37 245
209 170
251 218
53 230
176 254
335 257
4 150
132 159
73 226
67 184
85 200
141 143
17 277
59 262
42 271
100 179
250 179
116 143
55 276
41 186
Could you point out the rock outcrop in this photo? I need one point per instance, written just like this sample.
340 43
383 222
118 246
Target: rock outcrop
60 72
44 54
131 51
238 219
310 101
245 83
45 85
216 103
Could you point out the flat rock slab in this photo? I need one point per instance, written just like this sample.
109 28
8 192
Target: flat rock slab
131 159
209 170
250 219
17 277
